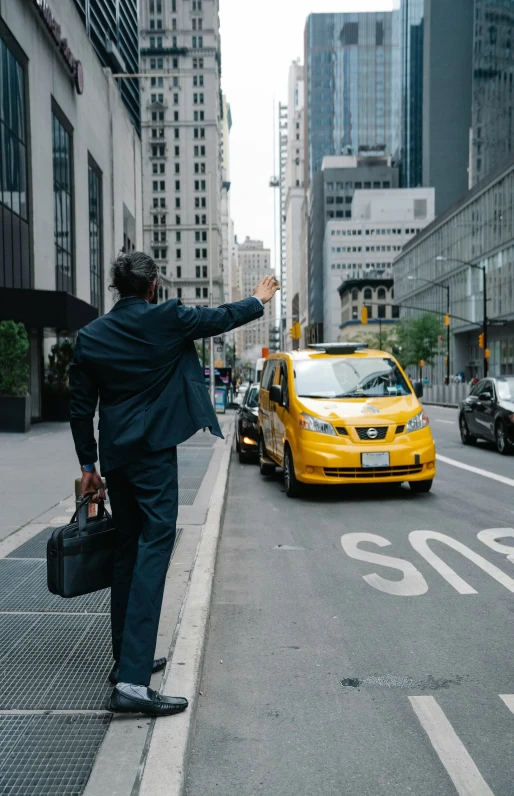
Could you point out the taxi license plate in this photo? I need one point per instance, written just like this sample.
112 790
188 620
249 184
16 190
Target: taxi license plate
375 459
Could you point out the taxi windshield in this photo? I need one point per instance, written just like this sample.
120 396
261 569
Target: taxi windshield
344 377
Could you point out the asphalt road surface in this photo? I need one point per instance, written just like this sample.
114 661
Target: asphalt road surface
362 639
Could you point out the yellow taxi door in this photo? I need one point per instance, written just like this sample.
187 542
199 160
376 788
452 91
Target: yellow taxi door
265 408
280 412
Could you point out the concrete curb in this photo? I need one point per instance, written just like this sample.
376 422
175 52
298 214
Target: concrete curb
165 767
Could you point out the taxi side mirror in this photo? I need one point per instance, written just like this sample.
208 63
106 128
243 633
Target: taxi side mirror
275 394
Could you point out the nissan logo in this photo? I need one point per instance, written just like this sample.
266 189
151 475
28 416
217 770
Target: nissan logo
372 433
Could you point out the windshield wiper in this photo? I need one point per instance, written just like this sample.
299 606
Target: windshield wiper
316 395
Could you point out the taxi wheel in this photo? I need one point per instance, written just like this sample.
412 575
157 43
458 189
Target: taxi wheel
264 467
421 487
291 483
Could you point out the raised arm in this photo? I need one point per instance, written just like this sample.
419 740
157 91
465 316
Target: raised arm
197 322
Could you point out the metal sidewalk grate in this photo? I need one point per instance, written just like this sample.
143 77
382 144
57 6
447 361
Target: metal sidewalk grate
35 547
48 755
23 588
54 662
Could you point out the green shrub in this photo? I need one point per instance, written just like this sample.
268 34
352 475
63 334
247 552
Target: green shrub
59 361
14 369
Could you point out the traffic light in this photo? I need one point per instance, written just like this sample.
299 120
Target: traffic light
481 340
487 353
422 363
364 316
295 332
446 320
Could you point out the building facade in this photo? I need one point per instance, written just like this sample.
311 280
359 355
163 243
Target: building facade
112 27
254 263
293 192
376 294
330 197
366 246
477 230
350 106
410 19
492 134
447 92
182 113
70 184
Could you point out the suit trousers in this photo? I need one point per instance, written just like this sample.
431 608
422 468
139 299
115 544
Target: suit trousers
144 502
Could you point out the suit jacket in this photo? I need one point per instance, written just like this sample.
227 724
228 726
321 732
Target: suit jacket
141 362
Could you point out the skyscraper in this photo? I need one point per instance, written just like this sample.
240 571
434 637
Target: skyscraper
182 143
492 138
447 83
254 264
350 102
410 21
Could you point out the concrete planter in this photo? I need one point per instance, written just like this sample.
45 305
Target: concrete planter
15 413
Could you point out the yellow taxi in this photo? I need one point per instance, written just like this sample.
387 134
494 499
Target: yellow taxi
341 413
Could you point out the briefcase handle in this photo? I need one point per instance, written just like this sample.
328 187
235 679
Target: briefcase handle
80 515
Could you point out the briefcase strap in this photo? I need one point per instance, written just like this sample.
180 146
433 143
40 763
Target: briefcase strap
80 516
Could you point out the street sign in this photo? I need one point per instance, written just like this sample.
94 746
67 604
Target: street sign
497 323
218 340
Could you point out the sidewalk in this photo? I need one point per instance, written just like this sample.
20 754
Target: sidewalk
56 738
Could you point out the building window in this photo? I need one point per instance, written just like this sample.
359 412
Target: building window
95 234
63 203
14 227
368 295
179 269
179 292
205 292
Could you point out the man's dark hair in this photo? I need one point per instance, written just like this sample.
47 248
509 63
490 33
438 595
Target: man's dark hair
132 274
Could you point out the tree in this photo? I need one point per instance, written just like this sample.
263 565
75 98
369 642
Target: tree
59 361
14 369
418 339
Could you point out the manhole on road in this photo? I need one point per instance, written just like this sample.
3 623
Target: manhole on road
397 681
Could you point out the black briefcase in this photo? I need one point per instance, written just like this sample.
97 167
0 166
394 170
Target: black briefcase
79 556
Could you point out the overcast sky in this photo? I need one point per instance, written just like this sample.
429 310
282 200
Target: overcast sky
259 40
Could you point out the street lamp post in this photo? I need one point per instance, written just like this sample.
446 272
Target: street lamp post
482 268
447 288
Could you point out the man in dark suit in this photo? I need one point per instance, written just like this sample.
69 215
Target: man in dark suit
140 362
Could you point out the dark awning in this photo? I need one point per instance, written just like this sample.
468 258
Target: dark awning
39 309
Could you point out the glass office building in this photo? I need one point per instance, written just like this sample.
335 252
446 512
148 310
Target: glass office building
350 102
492 139
410 19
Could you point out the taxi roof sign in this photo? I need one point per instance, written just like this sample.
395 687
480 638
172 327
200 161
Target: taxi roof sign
338 348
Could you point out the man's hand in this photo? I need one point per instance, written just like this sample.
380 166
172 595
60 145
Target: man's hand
266 289
92 483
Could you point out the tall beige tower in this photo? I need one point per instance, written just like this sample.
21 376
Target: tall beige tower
182 112
254 264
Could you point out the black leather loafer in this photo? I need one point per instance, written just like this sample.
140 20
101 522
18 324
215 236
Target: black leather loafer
153 704
158 665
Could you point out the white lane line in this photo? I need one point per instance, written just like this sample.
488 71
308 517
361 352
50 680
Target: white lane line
451 751
450 422
485 473
509 701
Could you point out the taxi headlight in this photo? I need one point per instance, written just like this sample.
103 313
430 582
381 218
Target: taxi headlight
314 424
417 422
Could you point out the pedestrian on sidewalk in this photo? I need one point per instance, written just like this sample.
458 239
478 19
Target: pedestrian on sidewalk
140 362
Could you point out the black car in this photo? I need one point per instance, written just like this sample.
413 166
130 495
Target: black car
488 413
247 428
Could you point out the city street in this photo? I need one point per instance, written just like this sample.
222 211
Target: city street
338 662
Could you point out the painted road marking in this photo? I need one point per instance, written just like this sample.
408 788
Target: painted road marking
451 751
450 422
501 478
413 584
509 701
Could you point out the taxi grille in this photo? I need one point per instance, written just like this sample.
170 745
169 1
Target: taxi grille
373 472
363 433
